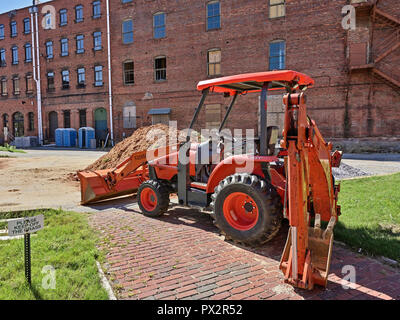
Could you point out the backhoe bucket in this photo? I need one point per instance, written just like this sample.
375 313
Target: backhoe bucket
317 261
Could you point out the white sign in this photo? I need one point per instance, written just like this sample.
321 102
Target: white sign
25 225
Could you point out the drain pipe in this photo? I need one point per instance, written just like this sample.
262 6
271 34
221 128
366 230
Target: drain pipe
110 98
36 64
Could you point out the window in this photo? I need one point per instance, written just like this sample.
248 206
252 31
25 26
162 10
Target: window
159 25
14 55
48 21
49 49
2 57
126 1
277 55
1 31
82 118
16 88
65 79
64 47
4 87
67 118
127 31
160 68
27 26
50 81
98 76
79 13
81 77
214 62
13 28
97 41
29 83
213 15
213 116
129 76
28 52
63 17
79 44
31 119
276 8
96 10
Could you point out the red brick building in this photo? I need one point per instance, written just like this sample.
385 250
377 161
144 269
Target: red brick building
161 49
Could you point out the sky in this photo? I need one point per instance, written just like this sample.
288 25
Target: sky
8 5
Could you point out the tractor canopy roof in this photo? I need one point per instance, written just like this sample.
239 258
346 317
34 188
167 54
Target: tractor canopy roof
253 82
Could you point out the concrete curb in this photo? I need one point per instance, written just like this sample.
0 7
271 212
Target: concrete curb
104 282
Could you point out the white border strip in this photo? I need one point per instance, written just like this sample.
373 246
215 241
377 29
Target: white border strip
104 282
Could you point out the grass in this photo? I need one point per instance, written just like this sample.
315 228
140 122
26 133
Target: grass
8 148
66 243
370 217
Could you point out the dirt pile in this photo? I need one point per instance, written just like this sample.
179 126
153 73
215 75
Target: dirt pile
145 138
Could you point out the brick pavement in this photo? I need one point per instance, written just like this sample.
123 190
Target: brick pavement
182 256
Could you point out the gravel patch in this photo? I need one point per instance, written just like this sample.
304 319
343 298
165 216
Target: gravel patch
345 171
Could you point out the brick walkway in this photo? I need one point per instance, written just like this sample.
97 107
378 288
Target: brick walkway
182 256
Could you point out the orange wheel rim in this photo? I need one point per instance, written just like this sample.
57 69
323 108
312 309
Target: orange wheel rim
240 211
148 198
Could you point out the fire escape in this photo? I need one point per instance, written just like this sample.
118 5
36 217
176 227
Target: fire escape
379 54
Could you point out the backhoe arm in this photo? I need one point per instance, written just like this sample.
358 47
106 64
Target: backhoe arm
311 195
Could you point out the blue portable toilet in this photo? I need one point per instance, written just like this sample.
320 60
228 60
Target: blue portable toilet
70 137
85 135
59 136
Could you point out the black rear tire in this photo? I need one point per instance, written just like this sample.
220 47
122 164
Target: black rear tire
266 199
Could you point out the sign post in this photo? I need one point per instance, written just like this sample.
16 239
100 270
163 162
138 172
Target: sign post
26 226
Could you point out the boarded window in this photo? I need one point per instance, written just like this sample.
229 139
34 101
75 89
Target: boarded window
276 8
31 119
16 86
358 54
213 116
214 62
29 84
4 87
160 118
129 116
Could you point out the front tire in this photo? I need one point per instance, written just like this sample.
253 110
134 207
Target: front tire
153 198
247 209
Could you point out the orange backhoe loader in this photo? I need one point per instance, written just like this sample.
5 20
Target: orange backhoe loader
250 192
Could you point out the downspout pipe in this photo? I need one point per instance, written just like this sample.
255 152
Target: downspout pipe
110 97
36 66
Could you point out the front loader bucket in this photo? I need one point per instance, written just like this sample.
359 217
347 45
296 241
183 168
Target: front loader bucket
94 187
318 257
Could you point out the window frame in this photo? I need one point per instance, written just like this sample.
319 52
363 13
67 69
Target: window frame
273 5
96 4
214 63
29 83
49 44
3 54
26 46
3 87
27 31
270 56
63 13
13 25
208 17
97 82
80 38
78 74
160 69
97 35
79 8
16 86
50 85
65 84
160 27
2 32
129 32
14 54
131 71
64 41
